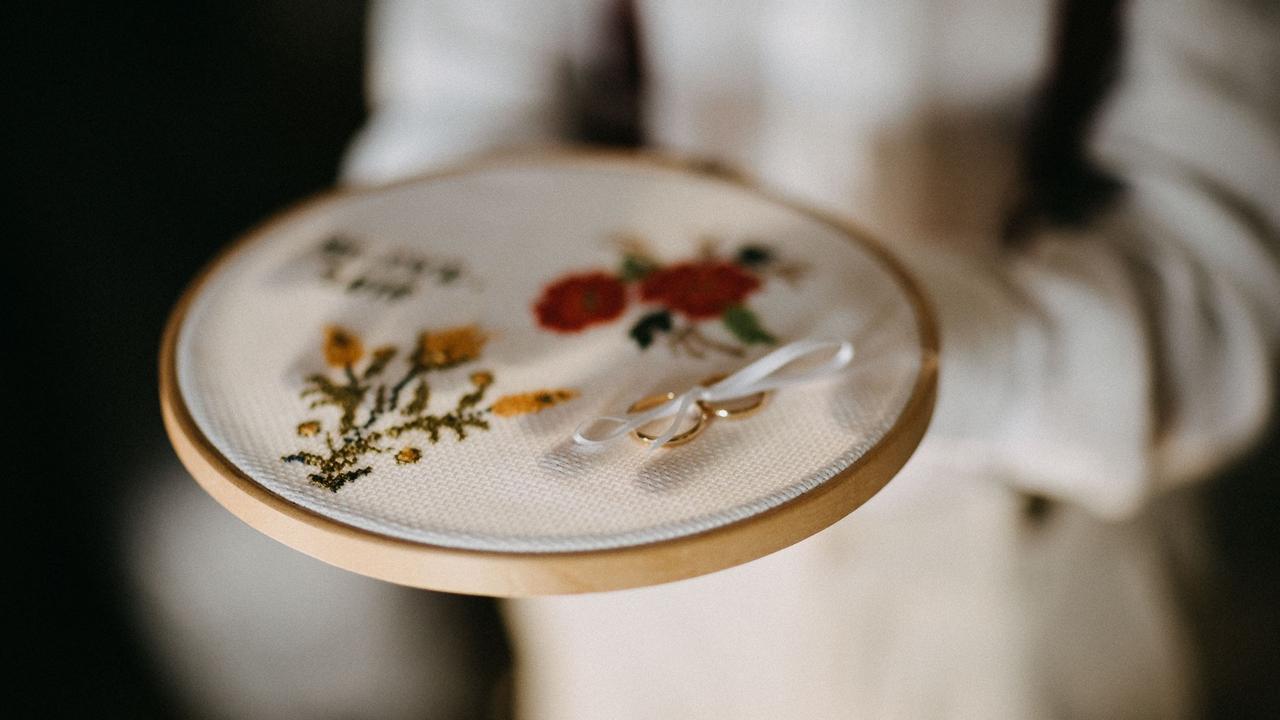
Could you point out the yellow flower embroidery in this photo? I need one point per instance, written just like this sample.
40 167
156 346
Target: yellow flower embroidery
531 402
309 428
342 347
449 347
408 456
381 403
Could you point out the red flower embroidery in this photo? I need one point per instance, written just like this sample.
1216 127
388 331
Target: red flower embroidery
699 290
574 302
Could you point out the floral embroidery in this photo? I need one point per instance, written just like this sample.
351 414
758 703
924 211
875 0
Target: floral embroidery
681 296
699 290
309 428
408 455
532 402
447 348
341 348
577 301
371 409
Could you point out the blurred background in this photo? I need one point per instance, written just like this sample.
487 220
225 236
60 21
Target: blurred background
150 135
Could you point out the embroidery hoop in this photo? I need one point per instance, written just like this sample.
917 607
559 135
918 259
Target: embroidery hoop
519 574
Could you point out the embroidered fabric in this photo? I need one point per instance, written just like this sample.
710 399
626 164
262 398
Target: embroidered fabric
291 352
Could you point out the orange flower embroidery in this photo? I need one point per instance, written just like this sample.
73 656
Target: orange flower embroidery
309 428
342 347
531 402
408 456
453 346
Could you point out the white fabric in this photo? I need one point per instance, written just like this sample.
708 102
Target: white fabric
1099 368
256 330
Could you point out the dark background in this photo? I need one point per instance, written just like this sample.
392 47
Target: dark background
148 136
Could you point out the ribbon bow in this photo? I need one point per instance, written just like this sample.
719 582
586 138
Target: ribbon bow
759 376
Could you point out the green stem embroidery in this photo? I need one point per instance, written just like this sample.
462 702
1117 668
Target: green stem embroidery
346 448
335 469
463 415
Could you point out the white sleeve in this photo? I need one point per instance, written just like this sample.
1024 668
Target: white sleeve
447 79
1107 364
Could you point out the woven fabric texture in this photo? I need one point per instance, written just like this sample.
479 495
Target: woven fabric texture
481 249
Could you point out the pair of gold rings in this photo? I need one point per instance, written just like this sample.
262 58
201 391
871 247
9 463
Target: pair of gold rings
735 408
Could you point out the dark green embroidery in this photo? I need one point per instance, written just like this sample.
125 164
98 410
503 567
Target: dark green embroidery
386 274
649 325
745 326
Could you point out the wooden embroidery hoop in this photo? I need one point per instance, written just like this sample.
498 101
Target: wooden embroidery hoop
512 574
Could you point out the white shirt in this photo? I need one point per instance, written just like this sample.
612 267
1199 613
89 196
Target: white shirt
1098 367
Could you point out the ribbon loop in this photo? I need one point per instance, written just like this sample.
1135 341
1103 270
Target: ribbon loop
759 376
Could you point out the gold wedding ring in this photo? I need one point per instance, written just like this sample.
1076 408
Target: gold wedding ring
679 438
735 408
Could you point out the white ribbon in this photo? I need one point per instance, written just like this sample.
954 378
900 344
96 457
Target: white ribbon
760 376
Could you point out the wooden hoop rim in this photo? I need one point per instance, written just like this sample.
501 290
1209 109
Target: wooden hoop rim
529 574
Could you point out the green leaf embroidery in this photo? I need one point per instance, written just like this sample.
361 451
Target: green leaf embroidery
745 326
448 274
642 332
754 255
635 267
